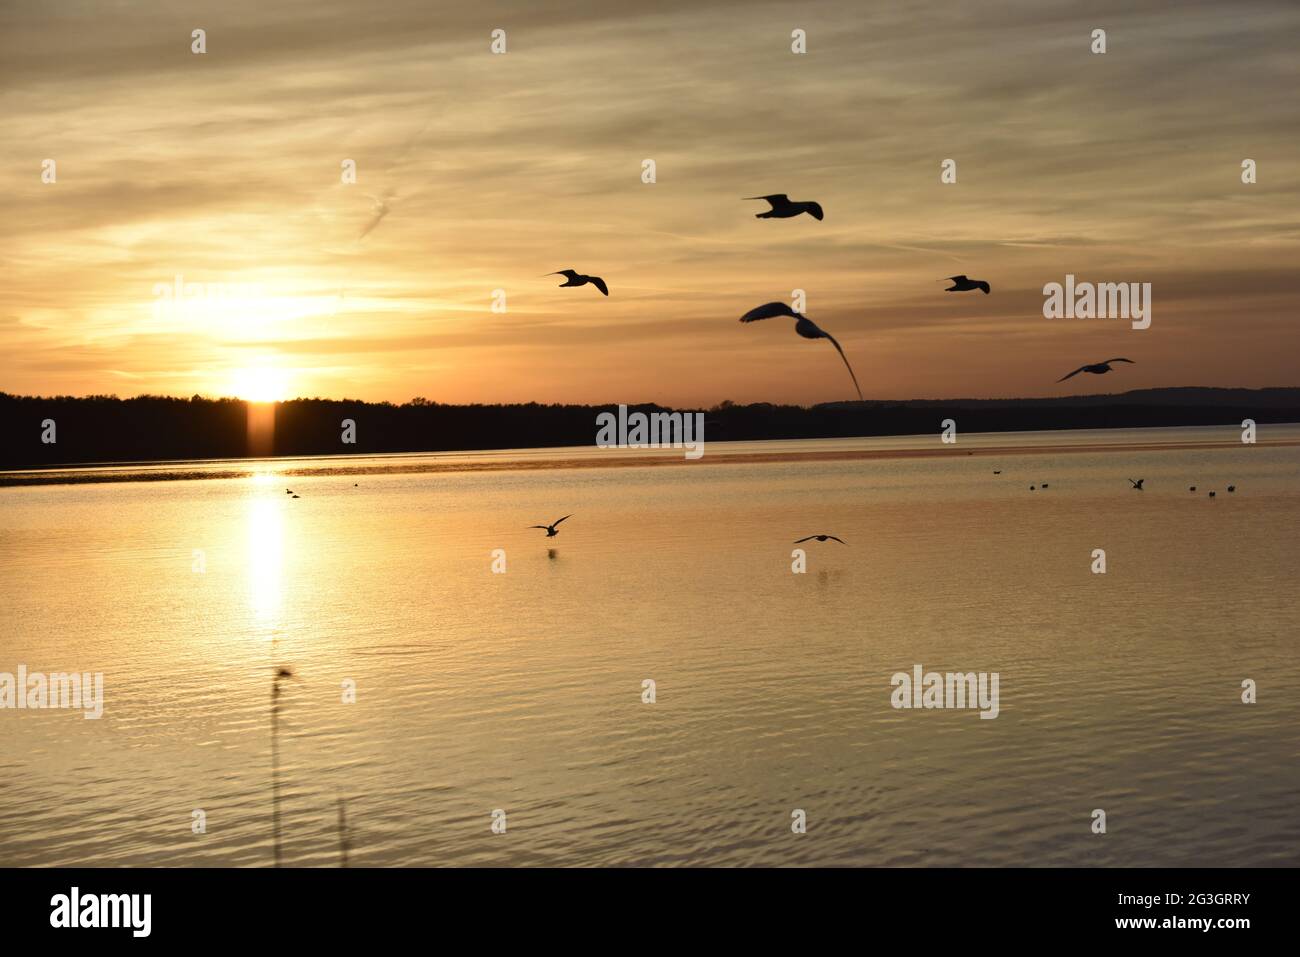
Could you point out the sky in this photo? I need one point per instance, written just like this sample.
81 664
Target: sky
222 172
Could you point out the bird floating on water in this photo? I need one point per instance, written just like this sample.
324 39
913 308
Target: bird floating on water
1138 484
784 208
821 538
551 530
1097 368
578 279
1211 495
803 326
1191 488
1232 488
962 284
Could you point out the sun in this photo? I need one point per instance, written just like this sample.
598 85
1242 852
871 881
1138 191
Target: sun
261 383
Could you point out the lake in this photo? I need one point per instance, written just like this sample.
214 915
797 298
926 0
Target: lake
521 691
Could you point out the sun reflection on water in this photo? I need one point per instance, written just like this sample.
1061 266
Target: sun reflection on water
265 560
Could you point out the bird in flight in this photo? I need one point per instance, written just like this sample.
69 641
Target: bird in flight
962 284
821 538
1138 484
783 208
803 326
551 531
578 279
379 209
1097 368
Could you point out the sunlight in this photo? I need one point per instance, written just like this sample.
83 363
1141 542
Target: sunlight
265 560
261 383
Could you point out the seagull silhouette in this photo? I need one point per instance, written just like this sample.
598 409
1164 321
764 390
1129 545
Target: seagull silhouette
551 531
578 279
962 284
783 208
1097 368
821 538
803 326
1138 484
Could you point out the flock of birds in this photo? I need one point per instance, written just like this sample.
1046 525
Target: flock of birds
782 207
1139 485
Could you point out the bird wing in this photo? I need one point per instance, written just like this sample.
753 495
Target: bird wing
767 310
846 362
1074 373
957 278
776 199
802 540
539 526
559 520
983 286
599 284
571 273
1130 361
815 209
1133 483
834 539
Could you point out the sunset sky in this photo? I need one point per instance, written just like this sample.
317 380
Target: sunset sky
225 168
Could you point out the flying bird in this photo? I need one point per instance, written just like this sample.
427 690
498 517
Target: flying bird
1097 368
379 210
578 279
962 284
803 326
821 538
551 531
783 208
1138 484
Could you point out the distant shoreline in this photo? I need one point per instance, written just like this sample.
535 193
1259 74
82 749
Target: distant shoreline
517 460
66 432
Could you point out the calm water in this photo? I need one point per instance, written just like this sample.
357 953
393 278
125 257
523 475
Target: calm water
522 691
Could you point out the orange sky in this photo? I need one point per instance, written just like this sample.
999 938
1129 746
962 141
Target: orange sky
224 168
